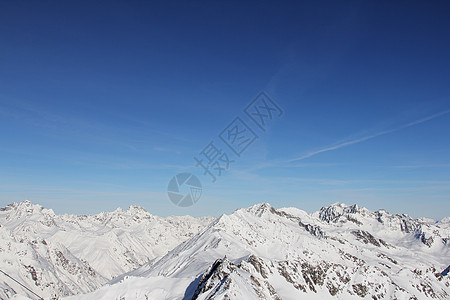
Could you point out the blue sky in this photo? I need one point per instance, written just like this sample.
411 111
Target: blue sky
102 103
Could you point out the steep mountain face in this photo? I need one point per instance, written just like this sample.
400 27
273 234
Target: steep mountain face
60 255
341 251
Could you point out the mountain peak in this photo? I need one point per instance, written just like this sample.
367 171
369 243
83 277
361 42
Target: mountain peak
26 203
335 210
136 209
260 208
26 207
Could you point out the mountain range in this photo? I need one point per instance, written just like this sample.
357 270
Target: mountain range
338 252
62 255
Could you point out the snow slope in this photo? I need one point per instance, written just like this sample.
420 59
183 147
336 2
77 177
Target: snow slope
60 255
341 252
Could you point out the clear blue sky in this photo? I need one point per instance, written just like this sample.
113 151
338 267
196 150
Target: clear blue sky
102 103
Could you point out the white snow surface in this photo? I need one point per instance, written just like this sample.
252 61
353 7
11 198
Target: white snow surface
339 252
62 255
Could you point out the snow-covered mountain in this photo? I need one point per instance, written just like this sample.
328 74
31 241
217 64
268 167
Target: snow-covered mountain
339 252
60 255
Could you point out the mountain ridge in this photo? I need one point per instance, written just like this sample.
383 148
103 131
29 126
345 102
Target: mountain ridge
341 251
65 254
259 252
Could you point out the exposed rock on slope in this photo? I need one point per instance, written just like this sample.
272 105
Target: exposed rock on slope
343 252
57 255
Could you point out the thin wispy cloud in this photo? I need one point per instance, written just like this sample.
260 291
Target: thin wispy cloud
423 166
165 149
368 137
